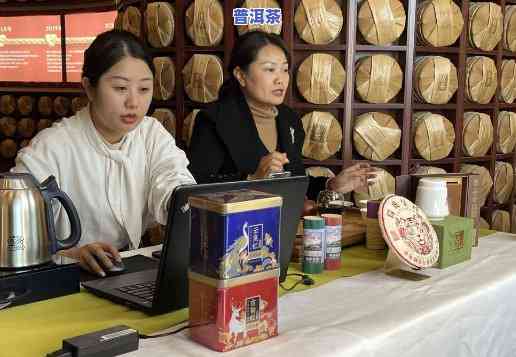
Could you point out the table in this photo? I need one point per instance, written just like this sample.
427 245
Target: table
466 310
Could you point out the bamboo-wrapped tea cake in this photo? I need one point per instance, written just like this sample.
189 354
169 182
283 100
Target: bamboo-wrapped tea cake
382 185
481 79
61 105
503 182
439 22
501 221
7 126
318 22
435 79
269 28
8 148
429 170
320 78
509 28
25 104
43 124
506 128
7 104
167 118
508 81
164 78
132 20
323 135
78 103
159 22
376 136
486 182
381 22
205 22
188 126
26 127
45 105
378 78
319 171
203 77
477 134
434 135
485 25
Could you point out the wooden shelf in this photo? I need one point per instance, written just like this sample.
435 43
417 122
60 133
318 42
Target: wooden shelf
479 106
426 106
507 105
306 105
449 160
367 48
329 162
437 50
477 52
387 162
310 47
380 106
476 159
506 53
41 89
505 156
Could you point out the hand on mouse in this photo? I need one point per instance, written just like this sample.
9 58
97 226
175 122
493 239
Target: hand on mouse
94 257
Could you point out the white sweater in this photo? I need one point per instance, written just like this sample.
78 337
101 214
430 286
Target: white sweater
117 192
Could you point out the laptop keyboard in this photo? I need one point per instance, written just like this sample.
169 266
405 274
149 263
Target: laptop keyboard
144 291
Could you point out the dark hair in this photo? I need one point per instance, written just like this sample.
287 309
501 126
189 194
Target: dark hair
244 53
108 49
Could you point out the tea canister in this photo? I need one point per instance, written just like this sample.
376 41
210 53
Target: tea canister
231 313
235 233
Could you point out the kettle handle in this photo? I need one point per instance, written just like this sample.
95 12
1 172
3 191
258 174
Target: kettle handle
50 190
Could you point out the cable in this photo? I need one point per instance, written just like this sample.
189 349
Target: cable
142 336
304 279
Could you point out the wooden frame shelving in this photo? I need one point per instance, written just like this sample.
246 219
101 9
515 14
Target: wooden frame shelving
348 47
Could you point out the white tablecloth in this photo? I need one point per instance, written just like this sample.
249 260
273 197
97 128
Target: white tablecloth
466 310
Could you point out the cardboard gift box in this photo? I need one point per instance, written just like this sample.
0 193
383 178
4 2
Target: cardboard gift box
234 233
231 313
455 236
463 195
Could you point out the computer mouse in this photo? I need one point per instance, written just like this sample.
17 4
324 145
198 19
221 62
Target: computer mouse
118 267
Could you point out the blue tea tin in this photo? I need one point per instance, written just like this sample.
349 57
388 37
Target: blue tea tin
234 233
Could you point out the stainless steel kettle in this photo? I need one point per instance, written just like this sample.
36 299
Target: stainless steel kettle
27 232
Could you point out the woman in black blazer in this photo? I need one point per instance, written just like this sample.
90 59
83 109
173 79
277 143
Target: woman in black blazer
226 143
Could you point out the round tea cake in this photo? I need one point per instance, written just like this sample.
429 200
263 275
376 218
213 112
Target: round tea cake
318 22
379 78
159 21
477 134
506 127
376 136
381 22
408 232
205 22
323 135
320 78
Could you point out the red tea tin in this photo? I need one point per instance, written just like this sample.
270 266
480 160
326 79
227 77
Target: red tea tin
231 313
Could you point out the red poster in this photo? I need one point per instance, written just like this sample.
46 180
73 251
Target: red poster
81 30
30 49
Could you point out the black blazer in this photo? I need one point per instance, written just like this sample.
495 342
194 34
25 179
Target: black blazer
225 144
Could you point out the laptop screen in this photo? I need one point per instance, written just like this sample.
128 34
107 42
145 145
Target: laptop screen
175 257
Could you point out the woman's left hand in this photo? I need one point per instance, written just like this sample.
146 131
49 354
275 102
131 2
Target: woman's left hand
353 178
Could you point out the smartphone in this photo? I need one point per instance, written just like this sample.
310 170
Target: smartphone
280 174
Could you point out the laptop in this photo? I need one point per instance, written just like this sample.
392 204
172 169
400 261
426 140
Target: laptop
165 289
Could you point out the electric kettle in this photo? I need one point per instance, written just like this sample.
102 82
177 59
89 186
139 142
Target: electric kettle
27 232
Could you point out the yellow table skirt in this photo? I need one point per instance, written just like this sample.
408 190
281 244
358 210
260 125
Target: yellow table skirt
39 328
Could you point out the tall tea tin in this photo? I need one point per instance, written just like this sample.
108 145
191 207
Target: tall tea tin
235 233
231 313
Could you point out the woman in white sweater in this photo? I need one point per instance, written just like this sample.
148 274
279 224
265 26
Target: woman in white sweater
118 166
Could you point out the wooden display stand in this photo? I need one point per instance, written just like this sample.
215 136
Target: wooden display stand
348 47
